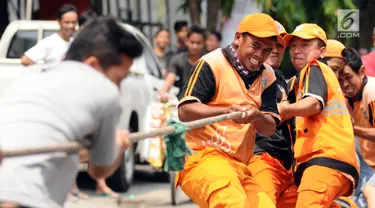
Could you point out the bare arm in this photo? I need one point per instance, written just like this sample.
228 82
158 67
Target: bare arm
98 171
26 61
265 124
196 110
365 133
168 83
306 107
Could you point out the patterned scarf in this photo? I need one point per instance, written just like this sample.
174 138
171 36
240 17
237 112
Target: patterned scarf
235 61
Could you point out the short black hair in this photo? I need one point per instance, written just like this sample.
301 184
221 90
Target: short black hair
160 30
197 29
178 25
86 16
65 9
217 35
247 34
320 43
352 59
105 39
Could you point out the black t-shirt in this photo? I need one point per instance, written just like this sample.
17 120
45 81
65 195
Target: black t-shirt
179 65
279 145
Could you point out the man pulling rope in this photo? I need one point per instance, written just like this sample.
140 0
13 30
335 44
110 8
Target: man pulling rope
77 98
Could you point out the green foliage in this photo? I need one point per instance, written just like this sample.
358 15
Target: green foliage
226 6
291 13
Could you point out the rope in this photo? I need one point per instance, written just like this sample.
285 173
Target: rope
74 146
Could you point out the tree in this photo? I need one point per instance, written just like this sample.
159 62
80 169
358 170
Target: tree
194 8
213 9
366 22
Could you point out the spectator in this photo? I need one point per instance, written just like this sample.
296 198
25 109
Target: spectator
54 47
161 42
181 63
76 99
181 30
363 51
213 41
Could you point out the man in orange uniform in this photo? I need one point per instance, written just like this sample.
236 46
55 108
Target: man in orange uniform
271 165
359 89
336 61
226 80
327 167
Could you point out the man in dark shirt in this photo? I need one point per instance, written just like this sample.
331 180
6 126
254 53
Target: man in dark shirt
271 165
180 65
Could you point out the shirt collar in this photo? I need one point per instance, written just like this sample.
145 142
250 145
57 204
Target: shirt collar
359 95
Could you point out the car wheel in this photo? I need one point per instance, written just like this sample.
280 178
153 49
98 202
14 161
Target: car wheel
122 179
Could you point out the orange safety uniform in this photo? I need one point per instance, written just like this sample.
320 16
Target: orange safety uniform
271 167
325 150
364 116
219 169
217 175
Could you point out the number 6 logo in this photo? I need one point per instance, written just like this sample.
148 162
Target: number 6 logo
347 18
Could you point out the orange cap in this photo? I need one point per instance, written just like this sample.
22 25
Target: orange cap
280 28
334 48
307 31
260 25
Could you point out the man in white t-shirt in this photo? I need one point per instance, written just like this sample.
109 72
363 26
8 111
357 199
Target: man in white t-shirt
76 99
53 48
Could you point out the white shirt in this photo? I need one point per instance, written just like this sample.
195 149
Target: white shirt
70 101
49 50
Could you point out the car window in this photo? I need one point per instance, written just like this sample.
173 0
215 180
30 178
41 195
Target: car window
22 41
47 33
151 62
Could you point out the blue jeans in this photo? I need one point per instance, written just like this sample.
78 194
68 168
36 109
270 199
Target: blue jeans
367 176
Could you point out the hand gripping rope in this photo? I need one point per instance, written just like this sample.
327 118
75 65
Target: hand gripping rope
177 149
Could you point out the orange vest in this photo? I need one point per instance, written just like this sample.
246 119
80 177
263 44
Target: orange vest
328 134
361 117
236 140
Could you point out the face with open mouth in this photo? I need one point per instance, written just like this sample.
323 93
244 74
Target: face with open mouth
253 51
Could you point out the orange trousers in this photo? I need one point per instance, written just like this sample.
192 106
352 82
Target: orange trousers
213 179
320 186
276 181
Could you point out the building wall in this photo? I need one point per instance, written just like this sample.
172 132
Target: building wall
159 13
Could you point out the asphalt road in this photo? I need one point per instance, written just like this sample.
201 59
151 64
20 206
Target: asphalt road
144 193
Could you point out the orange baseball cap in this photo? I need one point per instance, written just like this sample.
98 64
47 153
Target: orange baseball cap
280 28
260 25
307 31
334 48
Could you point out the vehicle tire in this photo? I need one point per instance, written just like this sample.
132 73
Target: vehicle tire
174 190
161 176
122 179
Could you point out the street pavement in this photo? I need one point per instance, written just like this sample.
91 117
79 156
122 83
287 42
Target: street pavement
144 193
